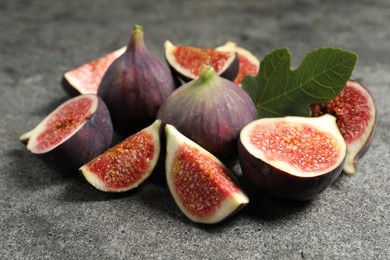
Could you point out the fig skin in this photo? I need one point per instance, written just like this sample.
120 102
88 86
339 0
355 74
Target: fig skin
93 138
211 111
135 85
273 181
229 72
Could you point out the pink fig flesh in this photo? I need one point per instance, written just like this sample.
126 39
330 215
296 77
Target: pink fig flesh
126 165
205 190
355 111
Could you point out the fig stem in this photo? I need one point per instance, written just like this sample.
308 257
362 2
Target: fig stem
207 73
137 38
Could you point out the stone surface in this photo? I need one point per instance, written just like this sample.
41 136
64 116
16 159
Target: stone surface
47 214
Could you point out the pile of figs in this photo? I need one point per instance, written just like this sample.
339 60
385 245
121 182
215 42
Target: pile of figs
190 113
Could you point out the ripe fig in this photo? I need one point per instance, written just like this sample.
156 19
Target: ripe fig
355 111
249 64
211 111
292 157
74 133
126 165
86 78
135 85
204 189
186 62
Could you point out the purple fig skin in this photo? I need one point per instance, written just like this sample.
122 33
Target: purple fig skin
277 183
93 138
135 86
211 112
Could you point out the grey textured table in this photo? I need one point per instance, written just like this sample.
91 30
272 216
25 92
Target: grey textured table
46 214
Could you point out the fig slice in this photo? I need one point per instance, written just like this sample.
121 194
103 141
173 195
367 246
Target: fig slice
186 62
127 164
74 133
204 189
86 78
292 157
355 111
249 64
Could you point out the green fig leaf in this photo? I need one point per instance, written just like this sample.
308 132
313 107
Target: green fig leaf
279 91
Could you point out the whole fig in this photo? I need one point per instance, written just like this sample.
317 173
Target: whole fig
211 111
135 85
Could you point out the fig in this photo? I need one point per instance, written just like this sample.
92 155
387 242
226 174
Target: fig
204 189
355 111
186 62
127 164
211 111
249 64
292 157
135 85
86 78
74 133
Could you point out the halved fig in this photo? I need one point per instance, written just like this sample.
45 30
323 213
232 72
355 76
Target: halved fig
204 189
187 61
292 157
86 78
355 111
249 64
74 133
126 165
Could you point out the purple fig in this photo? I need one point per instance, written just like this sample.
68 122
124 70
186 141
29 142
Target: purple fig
211 111
292 157
74 133
135 85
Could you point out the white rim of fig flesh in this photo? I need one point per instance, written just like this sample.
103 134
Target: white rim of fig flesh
154 131
231 203
170 48
55 121
78 84
354 147
300 135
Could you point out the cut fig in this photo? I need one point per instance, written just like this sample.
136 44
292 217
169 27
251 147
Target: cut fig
355 111
211 111
292 157
186 62
126 165
86 78
249 64
204 189
135 85
74 133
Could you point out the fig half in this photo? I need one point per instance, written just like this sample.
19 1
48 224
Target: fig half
248 63
74 133
292 157
86 78
355 111
186 62
126 165
204 189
